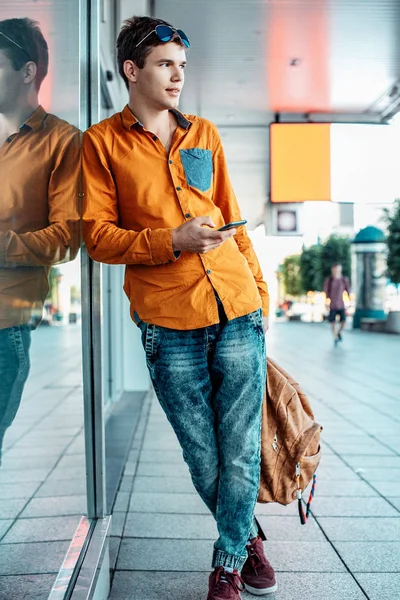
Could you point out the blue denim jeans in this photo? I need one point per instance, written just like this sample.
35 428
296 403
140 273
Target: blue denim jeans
14 370
210 383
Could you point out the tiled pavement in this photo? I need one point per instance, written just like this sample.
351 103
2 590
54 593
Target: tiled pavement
42 476
350 549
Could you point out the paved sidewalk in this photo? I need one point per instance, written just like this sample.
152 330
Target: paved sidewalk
350 549
42 477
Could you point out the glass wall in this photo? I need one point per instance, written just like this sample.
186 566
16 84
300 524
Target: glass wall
42 472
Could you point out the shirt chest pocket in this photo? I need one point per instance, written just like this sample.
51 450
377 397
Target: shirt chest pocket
198 166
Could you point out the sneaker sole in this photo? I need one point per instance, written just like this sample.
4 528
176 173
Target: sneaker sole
262 592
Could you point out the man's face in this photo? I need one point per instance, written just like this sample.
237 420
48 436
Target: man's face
11 84
161 80
337 270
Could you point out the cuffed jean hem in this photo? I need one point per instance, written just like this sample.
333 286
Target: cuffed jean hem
222 559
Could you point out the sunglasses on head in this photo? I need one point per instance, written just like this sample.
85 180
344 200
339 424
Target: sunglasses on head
165 33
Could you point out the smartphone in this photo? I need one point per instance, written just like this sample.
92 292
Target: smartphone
232 224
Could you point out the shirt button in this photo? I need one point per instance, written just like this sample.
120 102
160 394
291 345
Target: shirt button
155 138
170 162
208 272
178 189
188 215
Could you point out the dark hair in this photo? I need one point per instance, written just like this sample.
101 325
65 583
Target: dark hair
134 30
28 44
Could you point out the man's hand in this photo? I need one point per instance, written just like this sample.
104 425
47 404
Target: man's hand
194 237
265 324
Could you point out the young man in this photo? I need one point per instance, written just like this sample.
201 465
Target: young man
39 224
334 287
157 190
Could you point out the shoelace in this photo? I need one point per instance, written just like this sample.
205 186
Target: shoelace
225 577
255 560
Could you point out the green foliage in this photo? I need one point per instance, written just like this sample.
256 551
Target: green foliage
316 262
311 268
393 242
336 249
53 282
291 275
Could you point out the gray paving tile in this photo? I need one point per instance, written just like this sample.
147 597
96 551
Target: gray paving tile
193 586
373 474
389 489
191 555
62 487
274 509
36 558
395 502
39 451
68 473
24 489
4 525
162 526
163 470
166 485
26 587
361 558
336 473
153 443
54 507
51 529
126 484
25 463
326 487
117 523
161 456
372 448
352 507
21 476
122 501
113 549
380 586
361 529
133 456
167 503
165 555
128 585
9 509
289 529
365 462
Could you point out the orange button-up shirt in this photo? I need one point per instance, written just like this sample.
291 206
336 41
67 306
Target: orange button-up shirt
136 194
40 174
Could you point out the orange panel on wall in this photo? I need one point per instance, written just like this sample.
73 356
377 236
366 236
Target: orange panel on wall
300 162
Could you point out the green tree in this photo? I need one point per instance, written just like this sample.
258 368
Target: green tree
291 275
311 268
392 219
53 283
336 249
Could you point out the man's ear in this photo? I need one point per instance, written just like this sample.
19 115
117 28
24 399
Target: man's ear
131 71
30 72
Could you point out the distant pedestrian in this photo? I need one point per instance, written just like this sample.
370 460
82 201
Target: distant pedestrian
334 287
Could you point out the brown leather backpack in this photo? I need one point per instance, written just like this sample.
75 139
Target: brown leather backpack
290 449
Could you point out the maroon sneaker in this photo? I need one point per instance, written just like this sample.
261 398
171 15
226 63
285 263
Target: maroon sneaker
224 586
257 573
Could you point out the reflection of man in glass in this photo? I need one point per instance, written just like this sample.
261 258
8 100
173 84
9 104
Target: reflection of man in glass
39 224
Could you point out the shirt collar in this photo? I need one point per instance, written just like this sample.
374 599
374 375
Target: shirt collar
129 119
35 121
